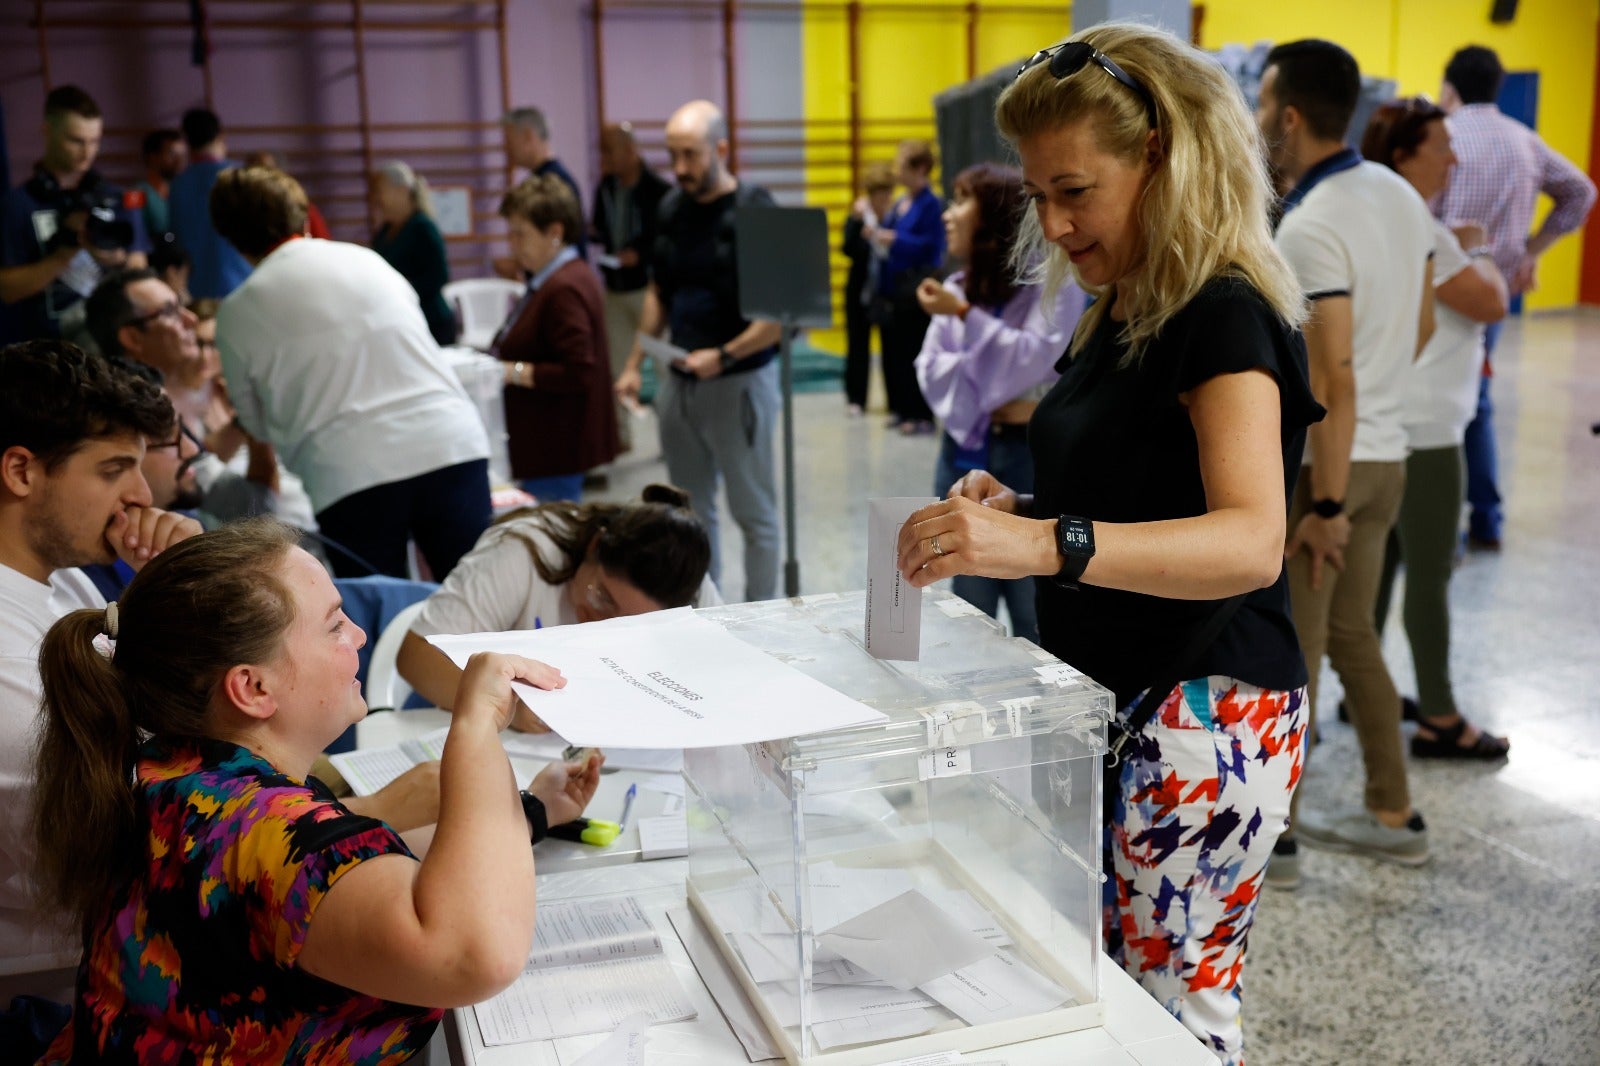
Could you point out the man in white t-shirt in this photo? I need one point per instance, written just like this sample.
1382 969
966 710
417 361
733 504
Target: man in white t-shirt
1360 239
73 429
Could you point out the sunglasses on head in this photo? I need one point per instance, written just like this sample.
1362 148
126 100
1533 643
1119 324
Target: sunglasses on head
1069 58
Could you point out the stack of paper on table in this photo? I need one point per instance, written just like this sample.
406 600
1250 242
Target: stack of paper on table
594 964
888 955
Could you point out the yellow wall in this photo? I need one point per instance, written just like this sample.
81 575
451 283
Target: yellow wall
909 56
1411 40
906 58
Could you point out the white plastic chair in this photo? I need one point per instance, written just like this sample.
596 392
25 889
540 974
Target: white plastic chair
386 689
481 306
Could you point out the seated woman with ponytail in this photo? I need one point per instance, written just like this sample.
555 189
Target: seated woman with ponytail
232 910
560 563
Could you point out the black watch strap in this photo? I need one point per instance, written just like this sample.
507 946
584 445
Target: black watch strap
1075 542
727 360
1327 508
538 820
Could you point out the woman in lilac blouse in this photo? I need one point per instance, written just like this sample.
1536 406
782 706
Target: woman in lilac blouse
988 356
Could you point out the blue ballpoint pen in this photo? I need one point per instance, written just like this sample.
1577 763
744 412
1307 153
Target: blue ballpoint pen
627 806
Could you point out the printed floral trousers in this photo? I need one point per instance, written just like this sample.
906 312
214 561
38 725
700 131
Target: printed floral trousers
1204 792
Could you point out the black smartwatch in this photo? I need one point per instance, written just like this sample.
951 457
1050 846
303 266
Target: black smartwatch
1075 542
727 360
538 821
1327 508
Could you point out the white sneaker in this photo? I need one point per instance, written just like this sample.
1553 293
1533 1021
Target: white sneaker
1361 833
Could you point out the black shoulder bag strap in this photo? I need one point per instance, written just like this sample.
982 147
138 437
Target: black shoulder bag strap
1156 694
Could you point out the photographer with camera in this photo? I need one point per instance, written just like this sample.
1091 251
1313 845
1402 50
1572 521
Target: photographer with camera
64 227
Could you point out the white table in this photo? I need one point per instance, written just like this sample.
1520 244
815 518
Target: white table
1137 1030
386 728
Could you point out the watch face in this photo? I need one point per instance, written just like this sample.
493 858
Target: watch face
1075 538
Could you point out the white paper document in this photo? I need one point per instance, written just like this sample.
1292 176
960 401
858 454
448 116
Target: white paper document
551 747
594 964
894 605
907 941
997 989
728 994
666 680
570 933
625 1047
667 354
579 1000
875 1027
368 769
664 837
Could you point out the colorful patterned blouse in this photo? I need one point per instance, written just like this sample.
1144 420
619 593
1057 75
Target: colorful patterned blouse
195 961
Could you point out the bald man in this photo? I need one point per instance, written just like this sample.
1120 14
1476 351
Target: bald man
624 224
718 404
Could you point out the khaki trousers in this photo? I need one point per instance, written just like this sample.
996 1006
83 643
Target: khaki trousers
622 322
1337 619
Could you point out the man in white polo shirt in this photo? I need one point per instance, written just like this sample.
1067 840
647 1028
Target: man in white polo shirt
1360 239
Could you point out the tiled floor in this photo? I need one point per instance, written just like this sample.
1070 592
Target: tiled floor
1491 952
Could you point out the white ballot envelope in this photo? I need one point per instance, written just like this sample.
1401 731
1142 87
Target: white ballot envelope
666 354
894 606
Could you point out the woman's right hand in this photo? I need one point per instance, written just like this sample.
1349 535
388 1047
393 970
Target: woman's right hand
486 684
980 486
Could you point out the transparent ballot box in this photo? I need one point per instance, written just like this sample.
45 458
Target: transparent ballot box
927 884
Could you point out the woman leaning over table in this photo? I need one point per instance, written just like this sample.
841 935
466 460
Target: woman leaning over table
1162 460
1441 398
232 909
560 413
558 564
988 357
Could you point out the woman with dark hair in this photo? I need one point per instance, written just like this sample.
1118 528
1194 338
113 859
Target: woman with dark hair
231 908
560 414
557 564
988 358
1441 397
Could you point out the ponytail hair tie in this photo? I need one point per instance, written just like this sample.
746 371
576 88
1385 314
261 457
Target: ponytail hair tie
111 620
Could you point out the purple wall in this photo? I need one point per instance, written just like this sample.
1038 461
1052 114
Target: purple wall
280 77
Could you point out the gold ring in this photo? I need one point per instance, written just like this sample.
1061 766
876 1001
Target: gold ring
934 543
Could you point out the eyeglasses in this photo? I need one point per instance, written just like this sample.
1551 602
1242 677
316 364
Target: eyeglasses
1069 58
600 601
183 434
172 310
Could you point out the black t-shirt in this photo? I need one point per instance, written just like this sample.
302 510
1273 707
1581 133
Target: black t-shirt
1114 444
696 272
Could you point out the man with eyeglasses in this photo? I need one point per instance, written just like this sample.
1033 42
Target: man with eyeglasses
135 316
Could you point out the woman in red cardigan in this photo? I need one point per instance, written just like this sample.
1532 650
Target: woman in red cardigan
559 413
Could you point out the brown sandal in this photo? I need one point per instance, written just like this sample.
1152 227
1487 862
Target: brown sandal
1446 744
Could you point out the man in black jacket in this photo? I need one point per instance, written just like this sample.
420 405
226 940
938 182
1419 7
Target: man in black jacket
624 224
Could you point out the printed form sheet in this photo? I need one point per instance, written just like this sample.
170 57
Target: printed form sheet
666 680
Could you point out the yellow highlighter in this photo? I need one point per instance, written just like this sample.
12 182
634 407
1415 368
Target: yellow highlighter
594 831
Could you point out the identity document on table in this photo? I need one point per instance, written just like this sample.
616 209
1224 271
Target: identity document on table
594 964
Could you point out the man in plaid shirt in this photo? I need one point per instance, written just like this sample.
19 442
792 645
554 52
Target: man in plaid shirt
1502 167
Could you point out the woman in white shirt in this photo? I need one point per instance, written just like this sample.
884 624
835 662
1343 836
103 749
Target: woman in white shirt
1441 397
557 564
327 356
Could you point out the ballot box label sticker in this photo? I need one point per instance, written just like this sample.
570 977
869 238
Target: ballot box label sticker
944 762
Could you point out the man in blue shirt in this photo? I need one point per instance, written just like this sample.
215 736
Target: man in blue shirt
216 268
64 227
911 240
